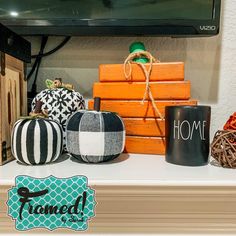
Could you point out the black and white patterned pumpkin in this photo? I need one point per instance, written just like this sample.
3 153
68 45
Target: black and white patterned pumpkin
95 136
36 141
60 103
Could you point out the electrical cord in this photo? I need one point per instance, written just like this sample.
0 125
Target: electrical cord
39 60
32 69
32 93
41 55
62 44
36 65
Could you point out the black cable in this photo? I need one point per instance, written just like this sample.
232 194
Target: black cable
34 85
62 44
39 59
42 47
40 55
32 69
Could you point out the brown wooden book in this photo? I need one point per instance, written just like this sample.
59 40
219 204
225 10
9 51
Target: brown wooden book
135 90
171 71
145 145
13 103
137 109
144 127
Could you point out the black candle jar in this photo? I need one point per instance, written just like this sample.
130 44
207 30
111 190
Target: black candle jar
187 135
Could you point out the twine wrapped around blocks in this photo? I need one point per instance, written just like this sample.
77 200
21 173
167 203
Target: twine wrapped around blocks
147 73
223 148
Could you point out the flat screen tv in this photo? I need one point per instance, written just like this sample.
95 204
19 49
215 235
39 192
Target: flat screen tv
176 18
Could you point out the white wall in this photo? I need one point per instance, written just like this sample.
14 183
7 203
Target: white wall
210 62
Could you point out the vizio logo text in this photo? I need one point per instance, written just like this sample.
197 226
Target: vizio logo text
208 27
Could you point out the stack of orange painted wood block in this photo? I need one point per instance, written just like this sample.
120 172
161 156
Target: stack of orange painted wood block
145 131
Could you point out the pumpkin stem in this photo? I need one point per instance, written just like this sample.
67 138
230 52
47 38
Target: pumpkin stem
38 112
97 103
38 107
57 83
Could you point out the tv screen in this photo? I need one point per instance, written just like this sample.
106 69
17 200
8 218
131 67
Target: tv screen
112 17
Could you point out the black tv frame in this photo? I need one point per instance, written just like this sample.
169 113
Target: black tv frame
14 45
113 27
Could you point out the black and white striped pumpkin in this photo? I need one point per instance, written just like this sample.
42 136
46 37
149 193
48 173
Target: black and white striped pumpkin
95 136
36 141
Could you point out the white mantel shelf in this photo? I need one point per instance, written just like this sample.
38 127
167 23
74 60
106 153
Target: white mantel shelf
143 194
128 169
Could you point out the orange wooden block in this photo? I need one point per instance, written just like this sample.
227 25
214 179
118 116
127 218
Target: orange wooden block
135 90
172 71
137 109
144 127
145 145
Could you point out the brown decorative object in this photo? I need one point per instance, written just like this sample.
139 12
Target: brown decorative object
38 111
231 123
13 101
57 83
223 148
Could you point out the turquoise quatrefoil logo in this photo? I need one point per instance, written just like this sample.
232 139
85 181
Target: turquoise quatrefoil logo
51 203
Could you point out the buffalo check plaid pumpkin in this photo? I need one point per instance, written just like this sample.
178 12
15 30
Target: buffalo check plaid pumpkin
94 136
